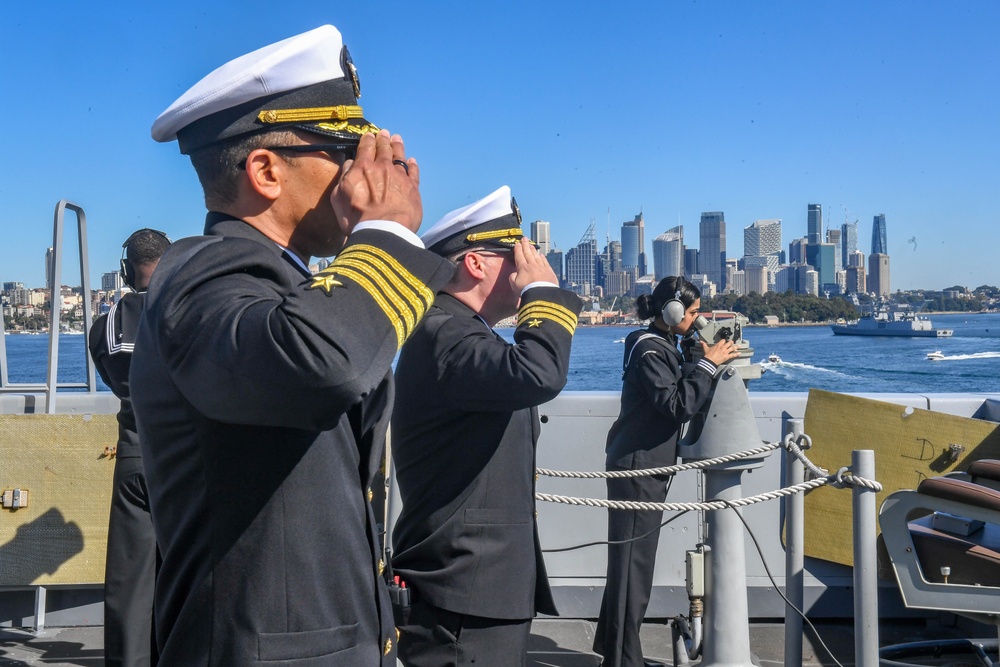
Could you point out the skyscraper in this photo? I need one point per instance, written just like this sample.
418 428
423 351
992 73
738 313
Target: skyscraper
762 238
50 268
634 244
848 242
814 221
555 260
878 274
690 262
668 253
581 263
540 235
833 237
712 247
879 245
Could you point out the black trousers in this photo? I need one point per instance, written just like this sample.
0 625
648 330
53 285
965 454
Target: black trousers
630 571
435 637
130 571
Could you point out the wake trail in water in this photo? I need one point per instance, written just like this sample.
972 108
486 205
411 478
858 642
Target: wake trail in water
974 355
783 368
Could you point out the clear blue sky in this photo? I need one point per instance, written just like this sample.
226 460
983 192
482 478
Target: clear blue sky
587 110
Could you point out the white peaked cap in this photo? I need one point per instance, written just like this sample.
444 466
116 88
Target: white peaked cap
236 92
489 217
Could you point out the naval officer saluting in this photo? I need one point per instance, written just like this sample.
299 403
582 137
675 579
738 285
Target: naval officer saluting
262 392
464 426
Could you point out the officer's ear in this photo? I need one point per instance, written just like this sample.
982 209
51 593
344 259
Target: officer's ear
474 265
266 172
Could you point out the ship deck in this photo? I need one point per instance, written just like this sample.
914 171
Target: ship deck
553 643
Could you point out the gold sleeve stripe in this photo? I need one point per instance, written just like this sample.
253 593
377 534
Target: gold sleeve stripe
389 311
419 289
385 284
548 311
402 297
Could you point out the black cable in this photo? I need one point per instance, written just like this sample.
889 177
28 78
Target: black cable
774 583
610 542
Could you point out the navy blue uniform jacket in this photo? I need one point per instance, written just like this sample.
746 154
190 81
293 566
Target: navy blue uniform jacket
464 430
262 399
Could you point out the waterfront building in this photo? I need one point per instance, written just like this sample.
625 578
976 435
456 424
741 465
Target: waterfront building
712 247
878 274
856 258
634 244
814 223
541 234
668 253
879 244
11 286
848 242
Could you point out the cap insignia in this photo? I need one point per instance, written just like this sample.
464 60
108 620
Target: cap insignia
351 70
517 211
340 112
496 234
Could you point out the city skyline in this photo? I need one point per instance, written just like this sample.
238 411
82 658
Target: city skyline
668 109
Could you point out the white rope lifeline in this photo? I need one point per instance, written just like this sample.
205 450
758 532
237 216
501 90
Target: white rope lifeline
684 507
841 479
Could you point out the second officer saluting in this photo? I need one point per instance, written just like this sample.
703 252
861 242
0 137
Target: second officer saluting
464 426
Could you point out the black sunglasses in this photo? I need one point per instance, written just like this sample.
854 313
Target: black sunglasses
349 151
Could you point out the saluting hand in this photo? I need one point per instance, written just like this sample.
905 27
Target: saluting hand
375 186
530 267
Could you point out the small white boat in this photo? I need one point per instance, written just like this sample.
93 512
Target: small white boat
773 358
619 340
936 355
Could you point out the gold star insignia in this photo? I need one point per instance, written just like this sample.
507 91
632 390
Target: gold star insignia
327 281
534 323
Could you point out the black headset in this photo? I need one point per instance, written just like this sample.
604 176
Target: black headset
127 271
673 309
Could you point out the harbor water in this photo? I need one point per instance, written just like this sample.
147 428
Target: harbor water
811 357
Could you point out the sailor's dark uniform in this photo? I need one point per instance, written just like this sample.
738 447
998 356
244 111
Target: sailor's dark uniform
263 396
130 566
464 427
659 393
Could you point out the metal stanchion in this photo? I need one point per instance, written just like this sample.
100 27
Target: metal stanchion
794 546
865 561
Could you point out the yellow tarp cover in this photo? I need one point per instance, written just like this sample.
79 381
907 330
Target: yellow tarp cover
909 444
62 535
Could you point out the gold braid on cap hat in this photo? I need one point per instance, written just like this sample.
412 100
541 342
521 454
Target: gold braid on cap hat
495 234
341 112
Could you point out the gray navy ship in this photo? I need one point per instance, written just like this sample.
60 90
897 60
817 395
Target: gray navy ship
886 319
